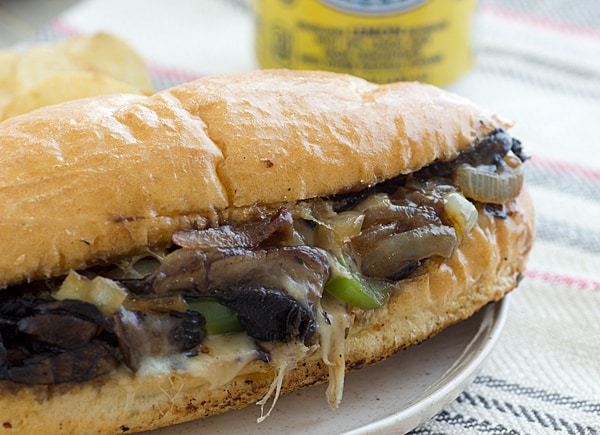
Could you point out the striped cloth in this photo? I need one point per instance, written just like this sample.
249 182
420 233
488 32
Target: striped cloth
537 62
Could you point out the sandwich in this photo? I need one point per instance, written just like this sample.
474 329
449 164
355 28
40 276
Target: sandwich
235 238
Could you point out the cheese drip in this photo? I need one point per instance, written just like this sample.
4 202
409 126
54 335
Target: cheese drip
333 322
284 357
225 356
222 359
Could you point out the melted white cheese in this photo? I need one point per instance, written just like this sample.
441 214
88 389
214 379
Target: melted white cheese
333 321
221 359
224 356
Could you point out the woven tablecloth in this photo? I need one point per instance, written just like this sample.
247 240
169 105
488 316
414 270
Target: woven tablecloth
538 62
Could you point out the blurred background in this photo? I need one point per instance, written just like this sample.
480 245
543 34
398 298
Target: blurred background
537 62
20 19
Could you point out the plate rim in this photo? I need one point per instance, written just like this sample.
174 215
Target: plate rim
482 332
449 386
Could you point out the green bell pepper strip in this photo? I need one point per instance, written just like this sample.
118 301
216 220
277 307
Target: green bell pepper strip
220 319
358 292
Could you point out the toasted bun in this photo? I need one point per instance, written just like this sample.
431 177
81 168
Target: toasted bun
488 264
95 179
107 177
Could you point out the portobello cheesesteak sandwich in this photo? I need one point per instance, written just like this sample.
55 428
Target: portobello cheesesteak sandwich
228 240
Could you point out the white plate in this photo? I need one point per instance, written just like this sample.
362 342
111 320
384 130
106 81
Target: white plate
393 396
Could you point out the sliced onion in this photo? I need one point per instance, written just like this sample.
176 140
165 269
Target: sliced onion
391 214
337 230
346 225
394 253
105 293
375 201
226 236
250 234
461 213
161 304
369 237
490 183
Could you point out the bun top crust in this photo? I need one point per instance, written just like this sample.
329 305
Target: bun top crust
110 176
289 135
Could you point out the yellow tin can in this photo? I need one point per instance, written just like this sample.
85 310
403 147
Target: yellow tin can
380 40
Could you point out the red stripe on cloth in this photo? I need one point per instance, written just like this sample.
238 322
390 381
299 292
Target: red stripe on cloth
566 168
165 73
540 21
557 278
62 27
178 75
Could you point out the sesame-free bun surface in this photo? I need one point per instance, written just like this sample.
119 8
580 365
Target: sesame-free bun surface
100 178
107 177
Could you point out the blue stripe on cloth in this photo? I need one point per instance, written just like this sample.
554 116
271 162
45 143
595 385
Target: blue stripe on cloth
553 397
572 181
541 72
459 415
550 230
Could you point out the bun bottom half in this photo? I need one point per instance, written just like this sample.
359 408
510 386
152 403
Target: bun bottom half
488 264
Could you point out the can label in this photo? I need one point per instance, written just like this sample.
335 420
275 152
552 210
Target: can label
380 40
373 7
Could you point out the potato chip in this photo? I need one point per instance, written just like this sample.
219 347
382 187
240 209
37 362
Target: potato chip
40 62
8 62
107 54
76 68
64 86
101 53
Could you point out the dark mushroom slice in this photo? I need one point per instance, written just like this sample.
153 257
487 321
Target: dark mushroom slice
146 334
298 271
285 283
488 151
3 359
62 330
81 309
273 291
268 314
48 342
16 304
273 228
94 359
67 324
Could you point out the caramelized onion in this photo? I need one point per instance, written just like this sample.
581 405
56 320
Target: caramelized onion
393 254
375 201
345 225
461 213
247 235
369 237
495 184
391 214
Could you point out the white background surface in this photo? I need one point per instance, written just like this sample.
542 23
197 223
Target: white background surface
537 63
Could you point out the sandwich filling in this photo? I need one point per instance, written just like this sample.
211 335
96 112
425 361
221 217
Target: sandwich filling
273 282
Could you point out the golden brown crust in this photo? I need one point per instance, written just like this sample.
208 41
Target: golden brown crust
222 141
488 264
219 142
